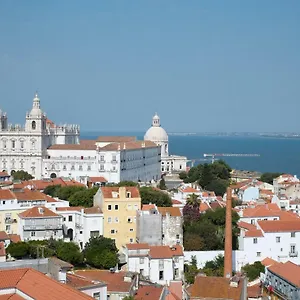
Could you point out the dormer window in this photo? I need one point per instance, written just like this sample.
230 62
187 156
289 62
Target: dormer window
33 125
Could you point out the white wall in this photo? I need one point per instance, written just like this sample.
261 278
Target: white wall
92 291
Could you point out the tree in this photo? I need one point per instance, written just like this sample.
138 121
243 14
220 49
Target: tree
268 177
193 242
128 298
101 252
193 200
52 190
66 192
39 249
214 267
253 271
149 195
183 175
22 175
191 270
218 186
83 197
162 184
190 213
18 250
123 183
70 252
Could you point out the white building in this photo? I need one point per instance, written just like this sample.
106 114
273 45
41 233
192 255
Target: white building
80 224
40 223
159 136
24 148
159 264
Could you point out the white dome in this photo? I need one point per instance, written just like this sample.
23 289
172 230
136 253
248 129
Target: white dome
36 108
156 133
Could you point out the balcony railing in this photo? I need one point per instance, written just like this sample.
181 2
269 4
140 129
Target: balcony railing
293 254
42 227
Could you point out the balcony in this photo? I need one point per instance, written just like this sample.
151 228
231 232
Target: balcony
10 221
293 254
42 227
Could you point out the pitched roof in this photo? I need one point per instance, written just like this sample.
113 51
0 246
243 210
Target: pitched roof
189 190
137 246
150 292
2 249
174 201
165 251
254 233
288 271
280 226
79 282
37 285
116 139
97 179
11 297
246 225
172 211
129 145
254 291
269 262
203 207
268 210
108 191
84 145
214 288
15 238
3 236
147 207
6 195
115 281
38 212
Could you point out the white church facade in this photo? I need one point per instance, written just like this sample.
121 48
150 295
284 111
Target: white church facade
45 150
158 135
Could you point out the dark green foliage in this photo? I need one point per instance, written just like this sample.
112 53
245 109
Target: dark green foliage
65 192
18 250
101 252
39 249
215 267
128 298
70 252
162 184
148 195
253 271
183 175
22 175
191 270
268 177
209 228
52 190
123 183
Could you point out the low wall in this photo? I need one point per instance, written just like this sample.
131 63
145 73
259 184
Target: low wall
239 258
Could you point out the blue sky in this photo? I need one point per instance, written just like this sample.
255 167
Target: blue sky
110 65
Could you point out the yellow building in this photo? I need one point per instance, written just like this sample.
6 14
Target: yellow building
119 206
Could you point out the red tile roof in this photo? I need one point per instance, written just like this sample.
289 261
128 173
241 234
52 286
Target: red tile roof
254 233
84 145
203 207
97 179
254 291
115 281
107 191
174 201
190 190
86 210
2 249
3 236
269 262
116 139
279 226
6 195
79 282
247 226
150 292
37 285
129 145
137 246
15 238
4 174
288 271
38 212
172 211
147 207
11 297
165 251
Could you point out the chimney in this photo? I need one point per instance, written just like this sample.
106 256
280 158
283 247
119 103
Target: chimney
228 236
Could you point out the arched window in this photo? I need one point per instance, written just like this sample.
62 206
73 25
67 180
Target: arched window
33 125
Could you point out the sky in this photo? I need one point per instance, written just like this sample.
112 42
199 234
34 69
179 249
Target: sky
110 65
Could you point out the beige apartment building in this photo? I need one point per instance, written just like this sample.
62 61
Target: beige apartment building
119 206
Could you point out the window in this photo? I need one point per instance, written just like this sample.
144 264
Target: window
116 207
129 206
255 241
293 249
55 232
32 144
177 236
161 275
142 272
293 234
128 195
129 220
142 260
101 167
94 233
13 144
32 233
4 144
102 158
3 202
89 168
33 125
176 259
136 207
64 168
252 221
131 240
64 219
116 220
7 228
161 264
112 231
109 220
109 207
80 231
96 296
277 239
258 254
22 144
114 158
70 218
80 168
176 272
73 168
131 229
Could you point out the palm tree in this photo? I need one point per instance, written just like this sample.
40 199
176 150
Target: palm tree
193 200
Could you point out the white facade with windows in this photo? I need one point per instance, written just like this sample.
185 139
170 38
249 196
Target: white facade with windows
169 163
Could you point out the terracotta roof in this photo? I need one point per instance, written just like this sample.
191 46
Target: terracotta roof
246 225
214 288
116 139
37 285
29 195
92 210
172 211
279 226
150 292
86 210
115 281
174 201
11 297
97 179
288 271
266 192
137 246
79 282
3 236
208 194
107 191
6 195
2 249
175 287
147 207
203 207
269 262
129 146
38 212
190 190
254 291
84 145
61 263
4 174
254 233
15 238
165 251
267 210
